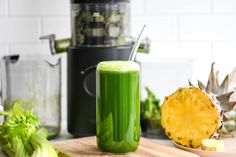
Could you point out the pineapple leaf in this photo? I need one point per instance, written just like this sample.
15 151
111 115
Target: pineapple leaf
227 106
224 97
201 85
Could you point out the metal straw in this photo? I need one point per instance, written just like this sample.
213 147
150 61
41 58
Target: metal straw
136 45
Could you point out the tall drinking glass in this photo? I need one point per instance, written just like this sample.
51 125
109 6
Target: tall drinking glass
118 106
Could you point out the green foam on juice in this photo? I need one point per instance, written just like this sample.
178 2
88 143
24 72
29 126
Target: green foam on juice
118 66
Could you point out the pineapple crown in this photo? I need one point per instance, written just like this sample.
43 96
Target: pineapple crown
222 91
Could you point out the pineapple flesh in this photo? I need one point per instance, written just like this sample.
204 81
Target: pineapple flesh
190 115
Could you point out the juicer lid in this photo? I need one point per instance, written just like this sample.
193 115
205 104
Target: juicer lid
98 1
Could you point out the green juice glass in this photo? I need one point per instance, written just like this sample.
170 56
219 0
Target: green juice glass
118 106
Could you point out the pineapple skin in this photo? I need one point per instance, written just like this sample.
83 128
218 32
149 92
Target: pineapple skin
190 115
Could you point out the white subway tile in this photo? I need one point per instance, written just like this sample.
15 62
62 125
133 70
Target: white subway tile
3 50
224 6
178 6
224 56
59 26
207 27
164 75
158 27
30 49
137 7
39 7
200 52
19 30
3 7
180 49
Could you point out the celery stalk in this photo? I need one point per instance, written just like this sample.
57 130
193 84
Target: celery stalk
20 135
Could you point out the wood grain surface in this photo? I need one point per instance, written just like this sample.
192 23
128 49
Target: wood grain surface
84 147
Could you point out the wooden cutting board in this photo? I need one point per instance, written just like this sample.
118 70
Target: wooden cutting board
84 147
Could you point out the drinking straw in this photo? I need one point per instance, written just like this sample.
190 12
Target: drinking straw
136 45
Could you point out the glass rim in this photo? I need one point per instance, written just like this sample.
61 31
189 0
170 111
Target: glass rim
118 66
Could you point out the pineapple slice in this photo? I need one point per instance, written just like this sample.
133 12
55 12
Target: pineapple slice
212 145
190 115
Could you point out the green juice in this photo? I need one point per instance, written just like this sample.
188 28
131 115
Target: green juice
118 106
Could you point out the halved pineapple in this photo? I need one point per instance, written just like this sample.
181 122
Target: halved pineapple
190 115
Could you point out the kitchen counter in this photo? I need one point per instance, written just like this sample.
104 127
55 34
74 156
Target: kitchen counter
65 135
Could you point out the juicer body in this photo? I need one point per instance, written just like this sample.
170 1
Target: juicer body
81 85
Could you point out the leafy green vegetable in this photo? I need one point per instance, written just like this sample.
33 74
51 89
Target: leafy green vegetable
19 135
16 131
150 109
41 145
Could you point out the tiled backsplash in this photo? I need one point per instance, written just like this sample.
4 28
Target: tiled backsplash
204 30
38 7
19 30
22 22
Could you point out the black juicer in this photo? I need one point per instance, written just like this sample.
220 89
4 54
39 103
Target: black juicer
99 32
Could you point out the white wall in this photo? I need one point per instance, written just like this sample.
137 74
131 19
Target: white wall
23 21
204 30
